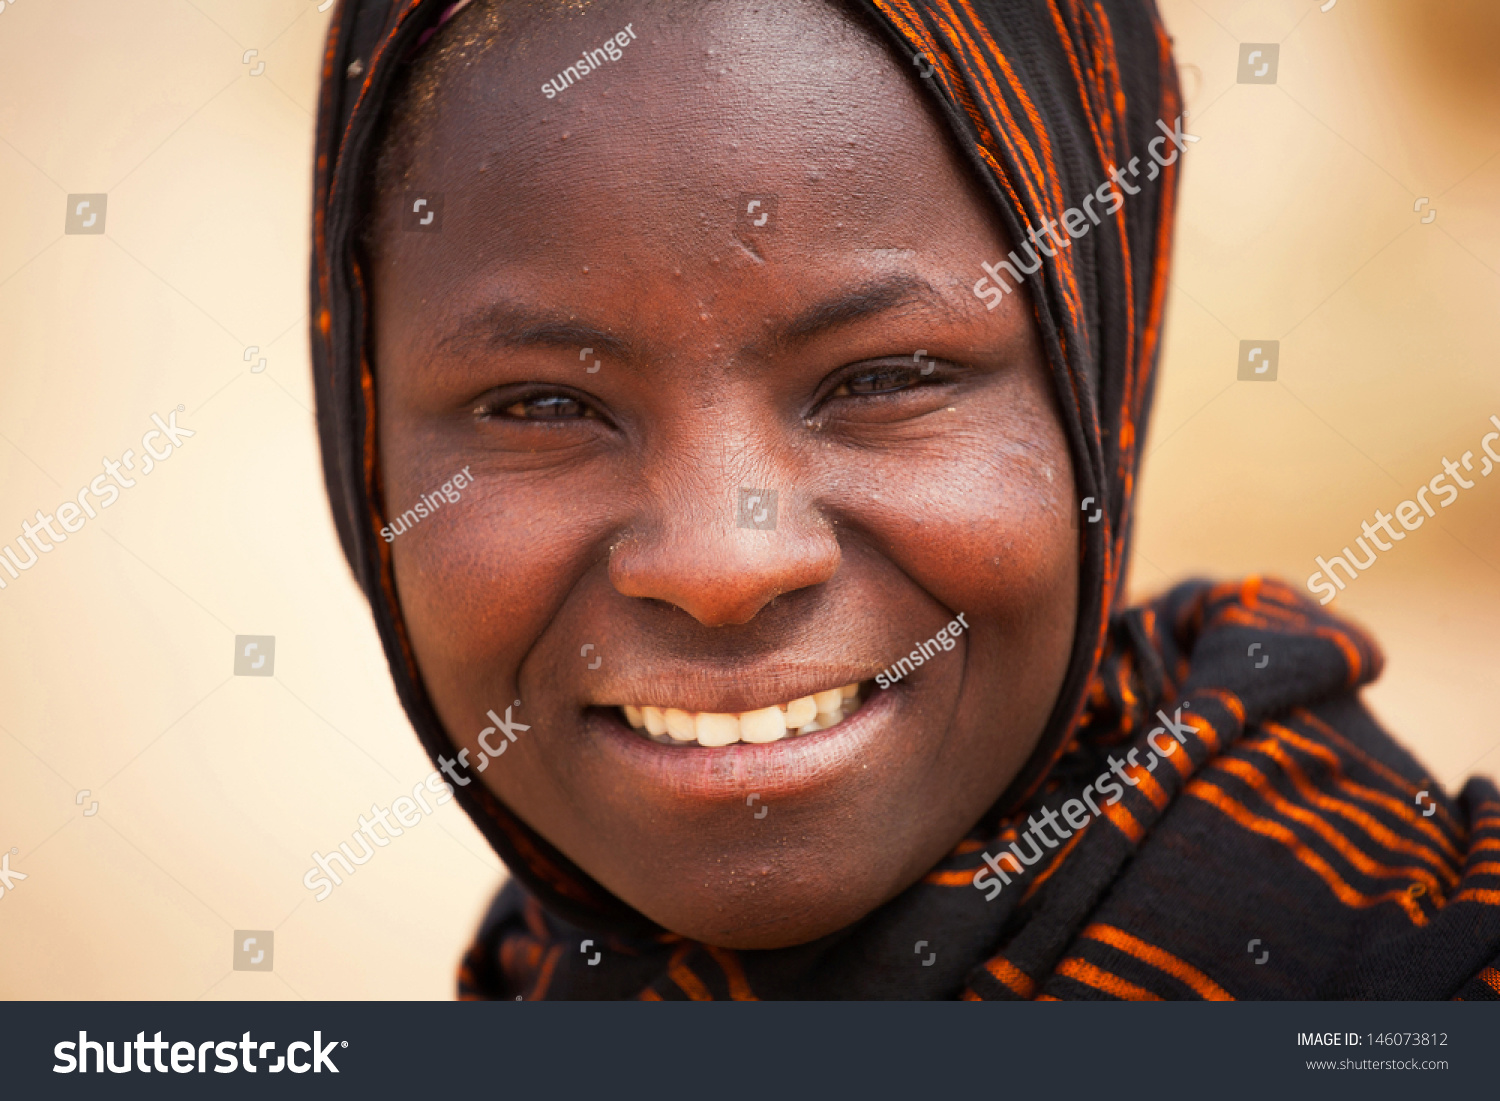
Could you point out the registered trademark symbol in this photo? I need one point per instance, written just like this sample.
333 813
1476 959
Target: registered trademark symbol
344 1044
181 408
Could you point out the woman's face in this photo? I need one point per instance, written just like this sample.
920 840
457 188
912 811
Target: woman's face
610 343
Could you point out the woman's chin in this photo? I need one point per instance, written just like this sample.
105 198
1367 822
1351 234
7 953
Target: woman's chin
765 916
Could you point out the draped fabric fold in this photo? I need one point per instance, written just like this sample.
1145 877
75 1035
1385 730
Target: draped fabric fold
1258 802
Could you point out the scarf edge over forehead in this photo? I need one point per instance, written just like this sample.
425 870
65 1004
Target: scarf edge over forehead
1043 119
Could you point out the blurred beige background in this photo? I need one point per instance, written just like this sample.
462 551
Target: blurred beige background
1297 225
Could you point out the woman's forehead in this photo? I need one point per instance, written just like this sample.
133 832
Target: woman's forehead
802 113
803 81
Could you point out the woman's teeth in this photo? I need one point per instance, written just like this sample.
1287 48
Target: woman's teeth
670 726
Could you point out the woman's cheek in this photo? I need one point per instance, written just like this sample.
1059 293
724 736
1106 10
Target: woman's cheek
476 589
991 532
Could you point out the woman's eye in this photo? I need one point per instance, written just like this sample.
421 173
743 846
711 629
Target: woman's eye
540 407
878 380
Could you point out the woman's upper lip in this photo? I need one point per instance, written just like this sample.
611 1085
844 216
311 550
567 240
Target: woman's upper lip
722 693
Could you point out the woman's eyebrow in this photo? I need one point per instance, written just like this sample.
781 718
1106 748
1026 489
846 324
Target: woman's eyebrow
510 325
875 296
502 325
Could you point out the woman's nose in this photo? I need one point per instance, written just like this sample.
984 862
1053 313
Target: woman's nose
722 557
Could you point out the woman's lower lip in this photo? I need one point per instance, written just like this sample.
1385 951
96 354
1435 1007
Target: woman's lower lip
787 767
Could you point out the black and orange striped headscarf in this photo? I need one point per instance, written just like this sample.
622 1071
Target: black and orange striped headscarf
1286 817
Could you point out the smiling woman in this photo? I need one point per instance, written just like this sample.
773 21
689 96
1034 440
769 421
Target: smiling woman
619 353
789 368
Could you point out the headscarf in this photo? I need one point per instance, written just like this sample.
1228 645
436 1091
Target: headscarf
1277 782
